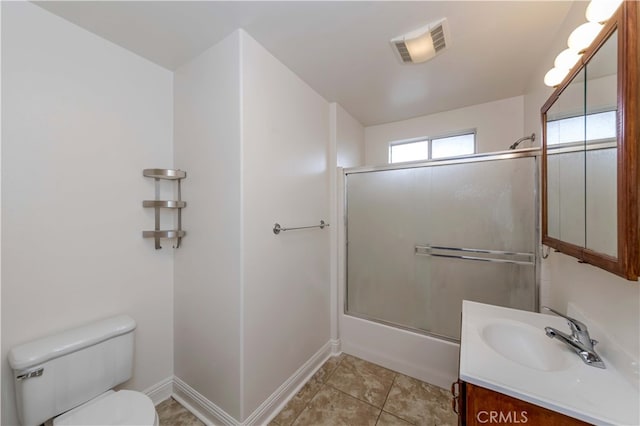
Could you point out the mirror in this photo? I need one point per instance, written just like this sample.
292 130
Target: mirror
566 164
601 138
590 143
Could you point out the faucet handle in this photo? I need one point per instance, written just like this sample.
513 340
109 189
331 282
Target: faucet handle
574 324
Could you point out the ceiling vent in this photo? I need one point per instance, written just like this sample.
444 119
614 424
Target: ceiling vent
422 44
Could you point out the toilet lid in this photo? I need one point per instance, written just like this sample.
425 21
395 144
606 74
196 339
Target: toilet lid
115 408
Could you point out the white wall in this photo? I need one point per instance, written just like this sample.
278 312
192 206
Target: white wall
350 145
346 149
536 93
81 119
498 124
285 138
207 266
251 308
610 302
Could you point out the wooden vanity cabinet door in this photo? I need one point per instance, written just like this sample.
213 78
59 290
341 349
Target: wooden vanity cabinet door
486 407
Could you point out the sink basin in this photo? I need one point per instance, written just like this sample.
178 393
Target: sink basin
524 345
507 350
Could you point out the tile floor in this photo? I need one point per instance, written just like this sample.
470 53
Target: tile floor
349 391
171 413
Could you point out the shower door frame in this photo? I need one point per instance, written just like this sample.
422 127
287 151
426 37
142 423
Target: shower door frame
474 158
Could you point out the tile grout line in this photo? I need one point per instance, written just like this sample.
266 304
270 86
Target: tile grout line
316 392
331 374
395 374
400 416
386 397
334 370
351 396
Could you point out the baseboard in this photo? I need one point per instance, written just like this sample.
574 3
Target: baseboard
205 410
336 347
160 391
210 414
276 402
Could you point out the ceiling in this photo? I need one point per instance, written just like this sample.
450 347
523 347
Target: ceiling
342 49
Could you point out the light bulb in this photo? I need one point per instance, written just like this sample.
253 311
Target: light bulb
555 76
420 48
583 36
567 59
601 10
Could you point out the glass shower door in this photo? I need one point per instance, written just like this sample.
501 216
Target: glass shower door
421 240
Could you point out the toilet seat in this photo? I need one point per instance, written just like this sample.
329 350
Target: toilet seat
124 407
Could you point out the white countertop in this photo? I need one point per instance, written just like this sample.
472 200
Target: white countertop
569 386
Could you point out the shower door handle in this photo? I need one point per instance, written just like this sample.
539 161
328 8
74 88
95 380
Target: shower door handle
428 251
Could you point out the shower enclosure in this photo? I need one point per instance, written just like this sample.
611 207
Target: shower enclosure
420 238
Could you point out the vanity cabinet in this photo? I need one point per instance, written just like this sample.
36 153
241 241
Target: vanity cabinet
477 406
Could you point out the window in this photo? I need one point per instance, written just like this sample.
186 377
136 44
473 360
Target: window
599 126
432 148
409 151
453 146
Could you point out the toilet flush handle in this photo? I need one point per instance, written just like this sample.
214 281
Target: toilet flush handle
29 374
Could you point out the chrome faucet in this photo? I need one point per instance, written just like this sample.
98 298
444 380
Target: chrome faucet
579 341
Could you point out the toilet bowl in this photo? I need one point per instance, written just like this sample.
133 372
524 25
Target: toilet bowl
67 378
123 407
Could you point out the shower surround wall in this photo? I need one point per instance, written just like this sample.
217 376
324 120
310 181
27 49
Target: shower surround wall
251 308
81 118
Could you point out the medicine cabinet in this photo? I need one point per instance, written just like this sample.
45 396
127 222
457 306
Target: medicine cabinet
590 158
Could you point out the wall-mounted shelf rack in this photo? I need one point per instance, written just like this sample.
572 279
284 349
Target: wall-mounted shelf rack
157 204
163 234
168 174
168 204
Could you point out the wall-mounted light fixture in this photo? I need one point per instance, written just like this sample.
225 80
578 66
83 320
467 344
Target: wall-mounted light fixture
567 59
554 76
582 36
601 10
597 14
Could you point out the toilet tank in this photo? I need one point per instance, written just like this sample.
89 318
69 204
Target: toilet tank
59 372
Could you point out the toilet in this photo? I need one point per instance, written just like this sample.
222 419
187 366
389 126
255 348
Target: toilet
67 378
